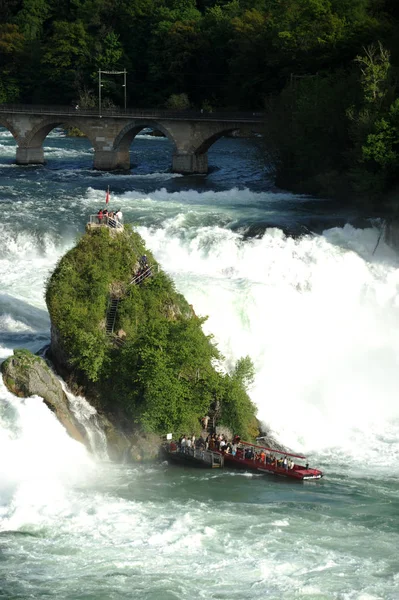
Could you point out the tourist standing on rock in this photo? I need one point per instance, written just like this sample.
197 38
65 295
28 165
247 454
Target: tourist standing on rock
205 421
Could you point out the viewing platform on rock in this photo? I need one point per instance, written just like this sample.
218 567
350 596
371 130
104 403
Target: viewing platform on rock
96 221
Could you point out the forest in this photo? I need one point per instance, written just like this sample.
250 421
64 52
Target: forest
325 73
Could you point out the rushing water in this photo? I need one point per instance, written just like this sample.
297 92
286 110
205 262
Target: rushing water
317 311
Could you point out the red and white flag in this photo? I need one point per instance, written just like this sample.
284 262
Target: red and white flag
107 196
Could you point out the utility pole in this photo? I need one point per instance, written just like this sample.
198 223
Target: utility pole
99 91
124 85
100 85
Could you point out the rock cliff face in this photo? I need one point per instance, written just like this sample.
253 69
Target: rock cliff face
26 374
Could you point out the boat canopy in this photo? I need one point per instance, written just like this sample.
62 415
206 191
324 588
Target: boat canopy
272 450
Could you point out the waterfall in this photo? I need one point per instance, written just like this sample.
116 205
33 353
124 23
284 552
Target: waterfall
88 418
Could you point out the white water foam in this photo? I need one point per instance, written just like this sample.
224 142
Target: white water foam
70 152
10 324
316 314
318 317
87 416
25 262
41 460
7 150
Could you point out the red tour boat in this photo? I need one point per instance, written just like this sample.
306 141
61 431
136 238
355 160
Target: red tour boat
270 461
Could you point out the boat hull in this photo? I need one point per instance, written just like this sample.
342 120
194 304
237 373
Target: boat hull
298 473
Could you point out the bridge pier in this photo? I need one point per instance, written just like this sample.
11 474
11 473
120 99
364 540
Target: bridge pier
111 160
190 163
30 156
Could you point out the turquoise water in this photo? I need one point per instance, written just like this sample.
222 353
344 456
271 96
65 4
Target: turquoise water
318 314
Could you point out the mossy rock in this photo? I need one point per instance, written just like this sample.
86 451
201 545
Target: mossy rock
158 374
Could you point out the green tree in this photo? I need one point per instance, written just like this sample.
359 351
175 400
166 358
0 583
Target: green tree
375 69
65 57
11 48
31 18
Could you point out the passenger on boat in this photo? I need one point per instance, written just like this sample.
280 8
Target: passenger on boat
262 456
200 443
285 463
249 453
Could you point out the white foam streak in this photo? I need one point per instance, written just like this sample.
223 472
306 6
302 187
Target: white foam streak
87 416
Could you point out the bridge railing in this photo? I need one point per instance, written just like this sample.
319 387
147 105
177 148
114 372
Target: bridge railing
254 116
107 221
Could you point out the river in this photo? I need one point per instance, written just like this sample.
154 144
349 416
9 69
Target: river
292 281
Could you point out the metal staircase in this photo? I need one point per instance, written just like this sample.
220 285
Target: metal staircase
141 275
111 315
113 303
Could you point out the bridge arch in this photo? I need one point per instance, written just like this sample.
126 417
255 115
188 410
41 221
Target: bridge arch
208 142
192 157
40 131
8 125
126 136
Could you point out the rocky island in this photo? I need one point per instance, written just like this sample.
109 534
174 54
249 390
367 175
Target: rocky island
122 336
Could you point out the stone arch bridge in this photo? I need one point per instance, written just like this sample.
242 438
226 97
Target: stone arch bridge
112 132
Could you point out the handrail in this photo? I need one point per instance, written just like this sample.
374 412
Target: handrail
137 113
201 454
138 278
108 221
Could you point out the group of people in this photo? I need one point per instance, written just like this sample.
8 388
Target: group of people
211 442
282 462
220 443
190 441
109 218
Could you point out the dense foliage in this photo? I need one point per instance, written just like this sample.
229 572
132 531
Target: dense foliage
163 377
325 70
